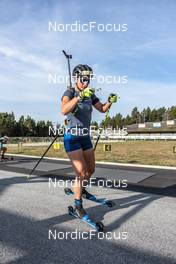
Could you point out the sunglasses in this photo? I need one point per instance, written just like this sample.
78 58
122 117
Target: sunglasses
85 79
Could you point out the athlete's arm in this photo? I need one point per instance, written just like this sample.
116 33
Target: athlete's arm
68 105
102 107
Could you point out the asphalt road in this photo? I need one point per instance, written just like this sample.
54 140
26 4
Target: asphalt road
36 228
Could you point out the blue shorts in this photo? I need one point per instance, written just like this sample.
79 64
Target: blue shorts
72 142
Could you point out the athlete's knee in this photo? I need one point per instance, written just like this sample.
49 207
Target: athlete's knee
82 175
4 149
88 176
91 171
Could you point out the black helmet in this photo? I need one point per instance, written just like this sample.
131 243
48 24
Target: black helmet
82 70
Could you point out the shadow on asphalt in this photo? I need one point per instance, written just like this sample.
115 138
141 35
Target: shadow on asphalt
30 236
30 239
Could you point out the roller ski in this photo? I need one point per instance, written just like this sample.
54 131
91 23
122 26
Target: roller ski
91 197
4 159
79 212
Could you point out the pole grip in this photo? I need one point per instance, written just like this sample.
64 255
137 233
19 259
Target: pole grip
65 53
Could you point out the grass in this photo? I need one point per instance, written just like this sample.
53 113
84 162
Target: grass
135 152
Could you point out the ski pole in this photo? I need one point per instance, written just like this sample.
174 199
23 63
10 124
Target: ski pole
69 71
106 117
98 138
42 156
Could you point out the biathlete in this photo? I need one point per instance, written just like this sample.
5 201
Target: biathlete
3 147
76 104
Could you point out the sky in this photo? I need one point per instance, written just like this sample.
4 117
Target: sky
145 53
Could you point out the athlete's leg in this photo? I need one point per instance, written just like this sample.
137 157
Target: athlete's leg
79 165
4 149
89 157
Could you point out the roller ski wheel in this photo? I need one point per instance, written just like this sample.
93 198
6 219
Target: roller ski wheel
80 213
110 203
70 210
99 226
68 191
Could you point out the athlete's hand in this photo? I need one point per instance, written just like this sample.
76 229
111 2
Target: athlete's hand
113 98
87 93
